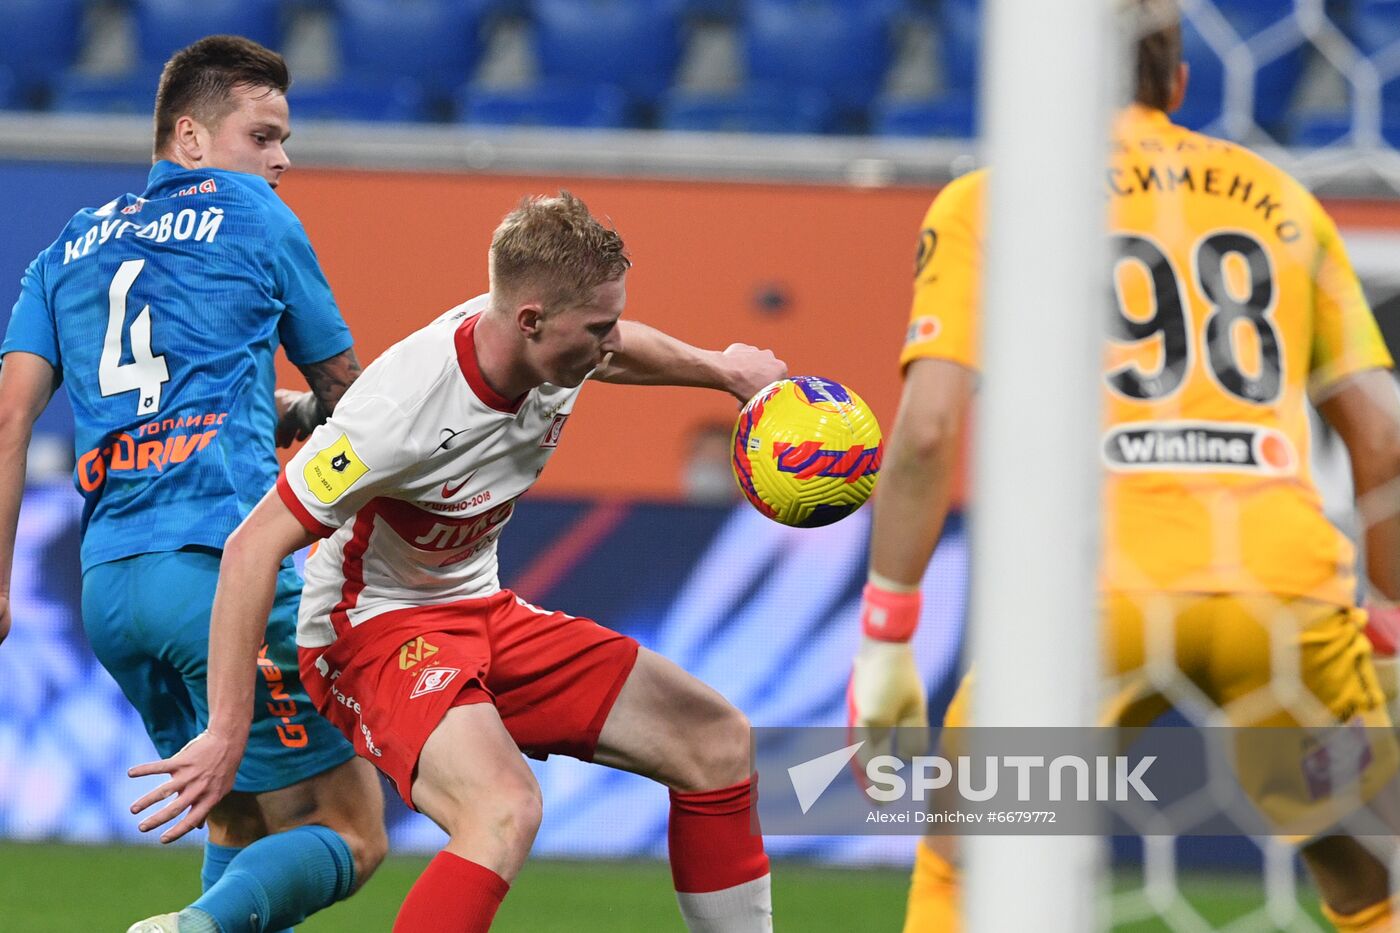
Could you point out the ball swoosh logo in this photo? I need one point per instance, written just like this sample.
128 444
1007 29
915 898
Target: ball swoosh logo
448 490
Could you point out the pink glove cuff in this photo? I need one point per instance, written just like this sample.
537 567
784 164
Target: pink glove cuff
886 616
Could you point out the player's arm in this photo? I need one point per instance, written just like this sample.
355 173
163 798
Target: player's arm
914 494
299 413
650 357
1365 412
939 359
202 772
27 382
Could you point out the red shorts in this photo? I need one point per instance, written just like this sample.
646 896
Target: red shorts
388 683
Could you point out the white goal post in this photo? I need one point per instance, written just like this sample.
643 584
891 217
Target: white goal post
1048 88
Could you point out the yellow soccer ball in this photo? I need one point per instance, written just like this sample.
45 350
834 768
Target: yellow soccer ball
806 451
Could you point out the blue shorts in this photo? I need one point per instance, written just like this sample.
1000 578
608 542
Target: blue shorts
147 618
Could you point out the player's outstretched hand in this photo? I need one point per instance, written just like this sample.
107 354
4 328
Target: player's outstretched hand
750 369
886 698
201 774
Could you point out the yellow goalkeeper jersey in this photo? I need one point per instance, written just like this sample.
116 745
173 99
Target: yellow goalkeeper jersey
1232 300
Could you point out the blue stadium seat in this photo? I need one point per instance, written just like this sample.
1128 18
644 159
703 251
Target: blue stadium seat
165 26
752 110
129 94
38 40
10 98
834 46
1205 89
1374 24
549 104
1275 81
708 9
1317 129
951 114
435 42
352 99
960 43
634 46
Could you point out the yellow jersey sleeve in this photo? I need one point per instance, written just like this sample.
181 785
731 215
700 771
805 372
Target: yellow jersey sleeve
1346 339
943 323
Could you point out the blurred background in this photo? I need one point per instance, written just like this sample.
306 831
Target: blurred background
768 163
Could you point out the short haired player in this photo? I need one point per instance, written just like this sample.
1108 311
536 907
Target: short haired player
1252 310
161 313
408 642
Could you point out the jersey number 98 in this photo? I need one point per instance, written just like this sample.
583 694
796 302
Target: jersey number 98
1169 318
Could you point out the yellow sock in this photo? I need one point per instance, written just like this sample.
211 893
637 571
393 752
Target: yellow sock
1378 918
933 895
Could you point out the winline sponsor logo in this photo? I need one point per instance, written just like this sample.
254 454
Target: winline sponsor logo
1198 446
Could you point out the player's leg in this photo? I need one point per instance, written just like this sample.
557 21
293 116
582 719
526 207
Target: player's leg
935 889
472 781
409 691
322 810
667 725
282 877
1264 640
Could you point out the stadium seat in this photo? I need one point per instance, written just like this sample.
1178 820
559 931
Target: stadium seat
839 48
1374 25
634 46
1317 129
435 42
952 114
548 104
752 110
708 9
1205 91
38 40
131 94
960 39
9 90
1275 80
165 26
351 99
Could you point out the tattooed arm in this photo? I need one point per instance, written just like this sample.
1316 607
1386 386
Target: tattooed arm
298 413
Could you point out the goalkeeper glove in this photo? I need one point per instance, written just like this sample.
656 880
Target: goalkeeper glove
886 690
1383 629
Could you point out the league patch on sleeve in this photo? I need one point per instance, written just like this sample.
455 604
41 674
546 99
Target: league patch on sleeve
333 470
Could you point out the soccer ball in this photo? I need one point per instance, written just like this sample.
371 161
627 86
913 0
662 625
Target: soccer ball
806 451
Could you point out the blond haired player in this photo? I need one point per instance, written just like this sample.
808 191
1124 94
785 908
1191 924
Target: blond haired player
408 643
1233 304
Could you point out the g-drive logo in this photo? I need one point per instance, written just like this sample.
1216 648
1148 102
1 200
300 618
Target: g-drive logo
978 779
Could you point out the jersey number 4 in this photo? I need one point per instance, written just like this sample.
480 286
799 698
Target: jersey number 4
145 374
1228 310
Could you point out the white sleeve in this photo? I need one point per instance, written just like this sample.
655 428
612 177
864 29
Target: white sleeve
358 454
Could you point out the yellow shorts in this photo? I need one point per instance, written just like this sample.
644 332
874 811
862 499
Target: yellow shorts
1254 662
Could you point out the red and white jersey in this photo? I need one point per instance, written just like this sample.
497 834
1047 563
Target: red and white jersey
412 479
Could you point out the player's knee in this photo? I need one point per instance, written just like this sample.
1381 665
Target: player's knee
719 751
516 814
510 810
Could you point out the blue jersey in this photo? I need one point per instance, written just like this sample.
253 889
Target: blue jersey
161 313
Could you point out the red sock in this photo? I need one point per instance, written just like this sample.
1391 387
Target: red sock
714 839
452 894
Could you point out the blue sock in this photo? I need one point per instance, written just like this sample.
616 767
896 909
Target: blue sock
277 881
216 859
